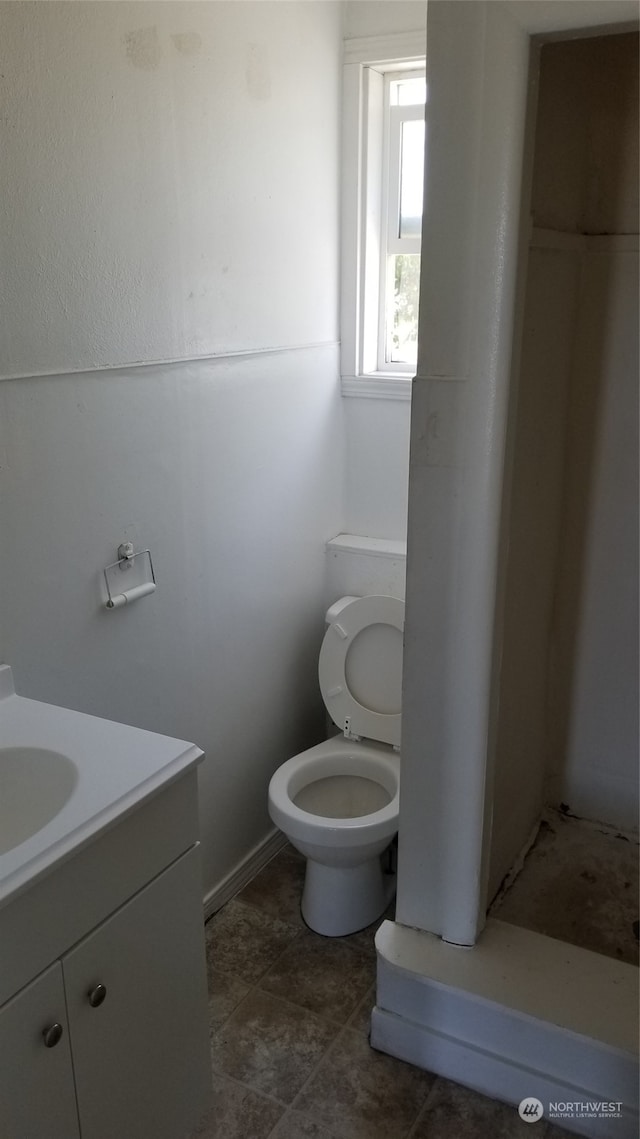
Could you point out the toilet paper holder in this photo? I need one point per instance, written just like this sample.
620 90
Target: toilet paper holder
126 560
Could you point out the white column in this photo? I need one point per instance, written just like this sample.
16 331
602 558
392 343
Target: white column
477 72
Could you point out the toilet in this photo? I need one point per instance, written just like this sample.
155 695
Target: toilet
337 802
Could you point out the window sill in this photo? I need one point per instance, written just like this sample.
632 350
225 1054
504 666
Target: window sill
378 385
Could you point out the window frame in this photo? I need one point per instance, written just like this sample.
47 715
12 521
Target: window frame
366 64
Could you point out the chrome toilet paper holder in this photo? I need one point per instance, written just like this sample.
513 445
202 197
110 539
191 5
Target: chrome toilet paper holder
126 560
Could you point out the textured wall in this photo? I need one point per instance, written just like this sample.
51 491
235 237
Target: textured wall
169 187
169 180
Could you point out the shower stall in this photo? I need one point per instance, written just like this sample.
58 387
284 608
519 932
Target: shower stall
567 723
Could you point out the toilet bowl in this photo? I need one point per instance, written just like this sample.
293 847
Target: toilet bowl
337 802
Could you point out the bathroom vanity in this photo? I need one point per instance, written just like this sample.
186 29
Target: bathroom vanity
103 998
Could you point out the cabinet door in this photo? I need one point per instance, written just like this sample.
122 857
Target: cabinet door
36 1079
141 1055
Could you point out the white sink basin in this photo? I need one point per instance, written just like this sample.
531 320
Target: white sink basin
35 784
66 777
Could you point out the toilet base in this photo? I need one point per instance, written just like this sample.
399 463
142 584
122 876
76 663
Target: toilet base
340 900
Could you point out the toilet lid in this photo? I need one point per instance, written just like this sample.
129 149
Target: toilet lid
360 668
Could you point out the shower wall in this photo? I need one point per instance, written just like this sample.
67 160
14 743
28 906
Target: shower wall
592 744
568 705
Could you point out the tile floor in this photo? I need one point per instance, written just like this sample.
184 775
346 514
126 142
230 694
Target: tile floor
289 1019
580 884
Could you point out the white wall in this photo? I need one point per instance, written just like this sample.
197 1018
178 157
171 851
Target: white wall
170 190
148 209
377 466
594 682
377 471
383 17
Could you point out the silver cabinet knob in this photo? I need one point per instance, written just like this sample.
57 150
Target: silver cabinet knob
52 1035
96 995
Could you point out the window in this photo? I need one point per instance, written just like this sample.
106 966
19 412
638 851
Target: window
403 170
383 168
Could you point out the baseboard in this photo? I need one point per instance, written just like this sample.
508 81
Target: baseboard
247 869
491 1075
517 1016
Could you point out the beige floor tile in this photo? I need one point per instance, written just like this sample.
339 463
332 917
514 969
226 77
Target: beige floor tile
365 938
244 942
271 1045
454 1112
279 993
321 974
553 1132
237 1113
277 889
358 1093
360 1020
225 994
293 1125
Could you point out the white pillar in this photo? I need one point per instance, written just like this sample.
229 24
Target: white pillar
477 68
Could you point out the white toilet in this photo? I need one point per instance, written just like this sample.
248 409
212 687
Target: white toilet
338 802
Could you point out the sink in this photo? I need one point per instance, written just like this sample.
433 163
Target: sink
35 784
66 778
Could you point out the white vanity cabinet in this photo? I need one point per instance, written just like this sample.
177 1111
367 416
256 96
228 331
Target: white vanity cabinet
137 1008
122 974
37 1096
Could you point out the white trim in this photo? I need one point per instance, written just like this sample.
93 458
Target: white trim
535 977
391 242
370 188
174 361
398 116
351 240
398 47
497 1076
365 61
247 869
510 1018
378 386
375 547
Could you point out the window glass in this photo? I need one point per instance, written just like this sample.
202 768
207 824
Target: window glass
402 320
400 277
411 176
408 92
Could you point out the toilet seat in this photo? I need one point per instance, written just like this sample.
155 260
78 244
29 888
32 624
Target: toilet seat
365 715
335 757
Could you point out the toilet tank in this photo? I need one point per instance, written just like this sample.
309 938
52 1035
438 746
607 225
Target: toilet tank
361 566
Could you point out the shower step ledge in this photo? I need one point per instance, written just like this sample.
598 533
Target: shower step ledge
517 1015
